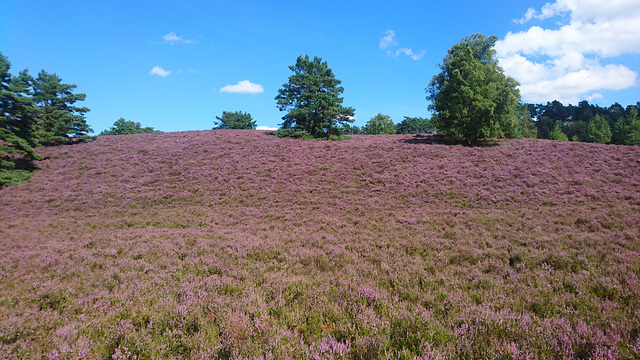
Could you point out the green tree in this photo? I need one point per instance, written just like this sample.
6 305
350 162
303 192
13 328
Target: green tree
380 124
57 118
545 125
312 99
471 95
414 125
528 127
126 127
598 130
577 130
626 131
16 103
235 120
348 129
16 159
16 153
557 134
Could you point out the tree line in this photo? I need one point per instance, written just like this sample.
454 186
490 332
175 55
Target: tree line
383 124
587 123
471 99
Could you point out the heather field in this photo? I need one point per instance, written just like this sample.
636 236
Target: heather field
237 244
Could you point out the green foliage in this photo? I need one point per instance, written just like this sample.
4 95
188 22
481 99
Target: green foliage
576 130
293 133
528 127
348 129
557 134
380 124
16 103
471 95
34 112
626 131
545 125
301 134
235 120
576 120
126 127
598 130
16 159
414 125
16 153
56 117
312 99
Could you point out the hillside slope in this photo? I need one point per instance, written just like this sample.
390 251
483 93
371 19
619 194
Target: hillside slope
230 244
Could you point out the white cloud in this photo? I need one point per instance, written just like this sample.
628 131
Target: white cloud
243 87
594 96
388 41
266 128
528 16
172 38
157 70
565 63
410 53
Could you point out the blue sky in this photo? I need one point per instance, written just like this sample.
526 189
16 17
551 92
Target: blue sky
176 65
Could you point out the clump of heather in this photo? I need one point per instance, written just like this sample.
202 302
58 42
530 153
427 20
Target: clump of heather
241 245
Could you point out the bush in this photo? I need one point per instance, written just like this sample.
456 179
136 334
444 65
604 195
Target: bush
293 133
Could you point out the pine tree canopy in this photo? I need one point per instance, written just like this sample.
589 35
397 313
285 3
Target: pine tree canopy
312 99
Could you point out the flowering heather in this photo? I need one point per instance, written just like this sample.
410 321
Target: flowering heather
237 244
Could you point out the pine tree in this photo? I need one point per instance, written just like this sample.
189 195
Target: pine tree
16 153
312 99
235 120
57 118
126 127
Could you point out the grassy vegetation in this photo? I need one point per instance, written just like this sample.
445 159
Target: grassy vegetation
239 244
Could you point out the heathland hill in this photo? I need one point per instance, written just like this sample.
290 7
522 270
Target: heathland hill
238 244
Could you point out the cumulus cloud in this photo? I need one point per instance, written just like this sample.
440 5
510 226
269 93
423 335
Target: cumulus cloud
565 63
243 87
172 38
387 42
157 70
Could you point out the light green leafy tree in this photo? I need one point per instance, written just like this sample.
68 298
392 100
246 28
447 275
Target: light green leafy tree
312 100
528 127
380 124
626 131
471 96
598 130
557 134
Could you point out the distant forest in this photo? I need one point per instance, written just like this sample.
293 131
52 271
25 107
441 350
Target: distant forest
578 123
